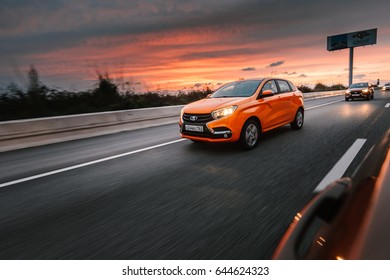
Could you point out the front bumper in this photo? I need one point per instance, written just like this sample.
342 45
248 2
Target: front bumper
225 129
357 94
216 134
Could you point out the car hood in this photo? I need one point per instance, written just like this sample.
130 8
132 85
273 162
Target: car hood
207 105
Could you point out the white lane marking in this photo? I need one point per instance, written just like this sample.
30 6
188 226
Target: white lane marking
387 105
86 164
317 106
338 170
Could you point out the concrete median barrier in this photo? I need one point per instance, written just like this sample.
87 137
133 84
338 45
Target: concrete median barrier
33 132
315 95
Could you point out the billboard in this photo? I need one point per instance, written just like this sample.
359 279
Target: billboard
351 40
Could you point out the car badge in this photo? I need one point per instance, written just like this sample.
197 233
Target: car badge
193 118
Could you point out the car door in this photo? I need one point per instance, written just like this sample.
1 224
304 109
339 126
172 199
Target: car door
270 109
286 96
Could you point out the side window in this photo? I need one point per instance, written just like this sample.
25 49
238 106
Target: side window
294 88
283 85
270 85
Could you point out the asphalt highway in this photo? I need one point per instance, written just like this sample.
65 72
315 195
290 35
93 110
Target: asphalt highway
145 195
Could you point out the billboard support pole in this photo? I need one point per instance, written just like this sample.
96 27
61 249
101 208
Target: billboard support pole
350 65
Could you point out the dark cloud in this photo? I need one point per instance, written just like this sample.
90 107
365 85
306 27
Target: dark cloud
34 27
289 73
58 23
219 53
249 69
359 76
275 64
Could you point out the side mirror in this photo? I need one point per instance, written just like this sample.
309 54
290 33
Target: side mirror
208 95
266 93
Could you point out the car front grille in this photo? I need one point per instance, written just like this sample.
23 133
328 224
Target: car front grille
197 118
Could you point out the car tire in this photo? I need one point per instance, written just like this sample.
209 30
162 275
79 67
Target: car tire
250 135
346 99
372 96
297 123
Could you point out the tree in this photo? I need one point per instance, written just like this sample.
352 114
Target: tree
337 87
303 88
320 87
36 102
106 94
33 79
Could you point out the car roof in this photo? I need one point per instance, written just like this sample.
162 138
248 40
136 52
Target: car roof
265 78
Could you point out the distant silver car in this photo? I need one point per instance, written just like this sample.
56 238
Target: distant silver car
386 86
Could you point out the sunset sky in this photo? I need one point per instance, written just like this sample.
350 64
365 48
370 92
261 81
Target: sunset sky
178 44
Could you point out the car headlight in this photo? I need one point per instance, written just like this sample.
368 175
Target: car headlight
181 114
365 90
348 91
224 112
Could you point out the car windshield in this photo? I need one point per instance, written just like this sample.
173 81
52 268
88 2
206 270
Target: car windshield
237 89
358 85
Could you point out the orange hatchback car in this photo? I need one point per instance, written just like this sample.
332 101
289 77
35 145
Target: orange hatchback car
242 110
